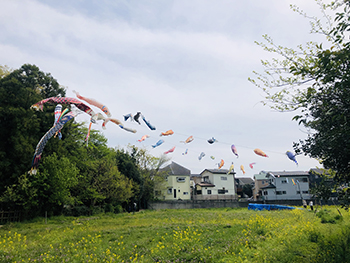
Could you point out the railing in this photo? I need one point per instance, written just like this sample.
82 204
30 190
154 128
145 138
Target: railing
214 197
9 216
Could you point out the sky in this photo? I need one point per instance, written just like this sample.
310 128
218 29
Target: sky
183 64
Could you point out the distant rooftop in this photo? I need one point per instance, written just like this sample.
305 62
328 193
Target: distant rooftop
244 180
175 169
217 171
263 175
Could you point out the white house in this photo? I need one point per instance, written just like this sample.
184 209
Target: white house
216 184
176 185
291 185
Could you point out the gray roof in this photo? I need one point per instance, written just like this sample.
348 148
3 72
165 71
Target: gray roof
217 171
263 175
245 180
289 173
269 186
195 175
175 169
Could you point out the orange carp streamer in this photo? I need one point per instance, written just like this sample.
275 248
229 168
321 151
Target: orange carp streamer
260 152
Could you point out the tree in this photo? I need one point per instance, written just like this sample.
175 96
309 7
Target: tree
315 81
4 71
150 175
248 190
21 127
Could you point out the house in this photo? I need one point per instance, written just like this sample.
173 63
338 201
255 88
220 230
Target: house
215 184
260 181
176 185
240 182
291 185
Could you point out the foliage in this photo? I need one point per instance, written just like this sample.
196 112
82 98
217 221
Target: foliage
4 71
314 79
73 177
322 190
21 127
195 235
248 190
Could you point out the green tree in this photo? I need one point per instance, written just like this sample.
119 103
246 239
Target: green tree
150 175
46 191
21 127
4 71
248 190
314 79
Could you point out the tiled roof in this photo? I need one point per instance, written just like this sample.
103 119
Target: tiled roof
289 173
245 180
175 169
263 175
217 171
195 175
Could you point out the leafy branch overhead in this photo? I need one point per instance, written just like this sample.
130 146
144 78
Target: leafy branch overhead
313 80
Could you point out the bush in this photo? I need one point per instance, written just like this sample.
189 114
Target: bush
76 211
327 216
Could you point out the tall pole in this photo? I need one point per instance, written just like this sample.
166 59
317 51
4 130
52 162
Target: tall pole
301 196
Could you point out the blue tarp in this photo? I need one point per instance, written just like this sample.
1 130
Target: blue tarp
260 207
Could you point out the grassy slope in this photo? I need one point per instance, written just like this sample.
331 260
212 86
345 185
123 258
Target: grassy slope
198 235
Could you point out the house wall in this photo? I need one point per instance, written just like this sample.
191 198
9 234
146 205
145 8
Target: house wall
182 188
220 183
258 185
286 190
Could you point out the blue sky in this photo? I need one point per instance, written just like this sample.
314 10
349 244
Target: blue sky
183 64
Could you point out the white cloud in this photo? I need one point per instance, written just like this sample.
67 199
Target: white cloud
184 64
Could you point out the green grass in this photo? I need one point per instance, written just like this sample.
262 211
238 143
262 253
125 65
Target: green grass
198 235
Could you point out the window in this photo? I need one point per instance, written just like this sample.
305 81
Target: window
298 192
199 192
305 192
281 192
221 191
181 179
170 191
266 193
301 180
284 181
224 178
209 192
206 179
186 193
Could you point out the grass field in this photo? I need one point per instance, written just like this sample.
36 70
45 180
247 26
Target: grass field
197 235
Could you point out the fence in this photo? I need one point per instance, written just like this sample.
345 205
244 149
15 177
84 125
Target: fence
233 203
9 216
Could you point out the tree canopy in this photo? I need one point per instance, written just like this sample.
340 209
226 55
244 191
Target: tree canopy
314 81
73 177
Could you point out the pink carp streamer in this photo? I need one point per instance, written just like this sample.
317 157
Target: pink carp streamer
95 103
170 151
66 100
